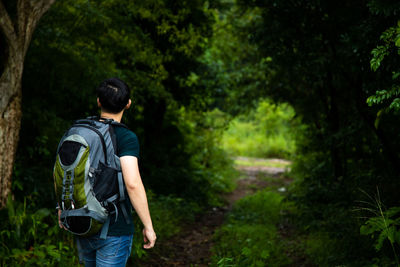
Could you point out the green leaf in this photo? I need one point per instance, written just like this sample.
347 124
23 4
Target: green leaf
378 118
10 207
397 237
381 239
379 54
391 234
397 41
395 75
392 211
38 253
265 254
366 230
246 251
41 213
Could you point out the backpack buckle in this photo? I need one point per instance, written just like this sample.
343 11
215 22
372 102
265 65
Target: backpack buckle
72 204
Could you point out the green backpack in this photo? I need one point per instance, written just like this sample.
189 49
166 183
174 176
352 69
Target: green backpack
88 178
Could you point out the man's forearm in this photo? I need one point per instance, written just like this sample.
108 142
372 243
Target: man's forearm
135 188
138 199
137 195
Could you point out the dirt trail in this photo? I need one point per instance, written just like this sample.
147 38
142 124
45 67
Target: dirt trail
191 247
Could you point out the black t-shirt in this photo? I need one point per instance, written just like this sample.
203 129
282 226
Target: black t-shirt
127 145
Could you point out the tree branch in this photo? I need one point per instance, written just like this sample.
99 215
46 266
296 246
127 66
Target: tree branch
22 8
29 14
6 25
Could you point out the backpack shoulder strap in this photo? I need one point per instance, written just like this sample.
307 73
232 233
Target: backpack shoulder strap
89 123
115 123
122 189
113 135
91 120
88 120
113 139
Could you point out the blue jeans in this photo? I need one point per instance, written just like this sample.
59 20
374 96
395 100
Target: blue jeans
113 251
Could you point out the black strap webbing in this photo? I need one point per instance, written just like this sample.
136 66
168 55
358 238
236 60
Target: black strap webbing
104 229
122 199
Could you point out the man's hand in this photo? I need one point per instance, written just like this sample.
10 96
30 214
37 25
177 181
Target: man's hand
149 237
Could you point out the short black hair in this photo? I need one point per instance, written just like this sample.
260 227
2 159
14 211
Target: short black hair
113 95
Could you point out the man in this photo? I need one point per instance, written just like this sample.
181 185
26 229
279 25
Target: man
113 99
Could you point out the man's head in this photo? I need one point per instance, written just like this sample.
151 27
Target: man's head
113 95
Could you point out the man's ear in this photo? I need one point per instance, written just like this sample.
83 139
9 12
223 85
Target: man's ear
129 104
98 103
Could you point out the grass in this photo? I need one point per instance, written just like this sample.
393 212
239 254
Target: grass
250 236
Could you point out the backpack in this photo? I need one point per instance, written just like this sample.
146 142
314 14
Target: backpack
88 178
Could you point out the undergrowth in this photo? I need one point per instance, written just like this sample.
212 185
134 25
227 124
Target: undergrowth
30 236
168 215
249 237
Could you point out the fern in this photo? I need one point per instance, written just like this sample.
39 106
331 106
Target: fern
383 225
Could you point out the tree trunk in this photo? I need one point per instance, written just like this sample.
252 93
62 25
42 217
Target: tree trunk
9 133
18 35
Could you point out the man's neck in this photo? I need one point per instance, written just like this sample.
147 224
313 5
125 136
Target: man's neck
116 117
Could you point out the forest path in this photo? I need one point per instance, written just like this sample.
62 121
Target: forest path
191 247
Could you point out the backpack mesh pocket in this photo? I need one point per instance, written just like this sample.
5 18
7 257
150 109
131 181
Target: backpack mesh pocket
78 224
105 183
83 225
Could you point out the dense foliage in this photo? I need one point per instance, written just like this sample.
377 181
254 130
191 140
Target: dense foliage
155 46
320 54
79 44
332 66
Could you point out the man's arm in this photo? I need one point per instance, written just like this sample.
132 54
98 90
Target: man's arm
137 195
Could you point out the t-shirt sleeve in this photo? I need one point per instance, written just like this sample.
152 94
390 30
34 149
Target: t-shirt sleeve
128 145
